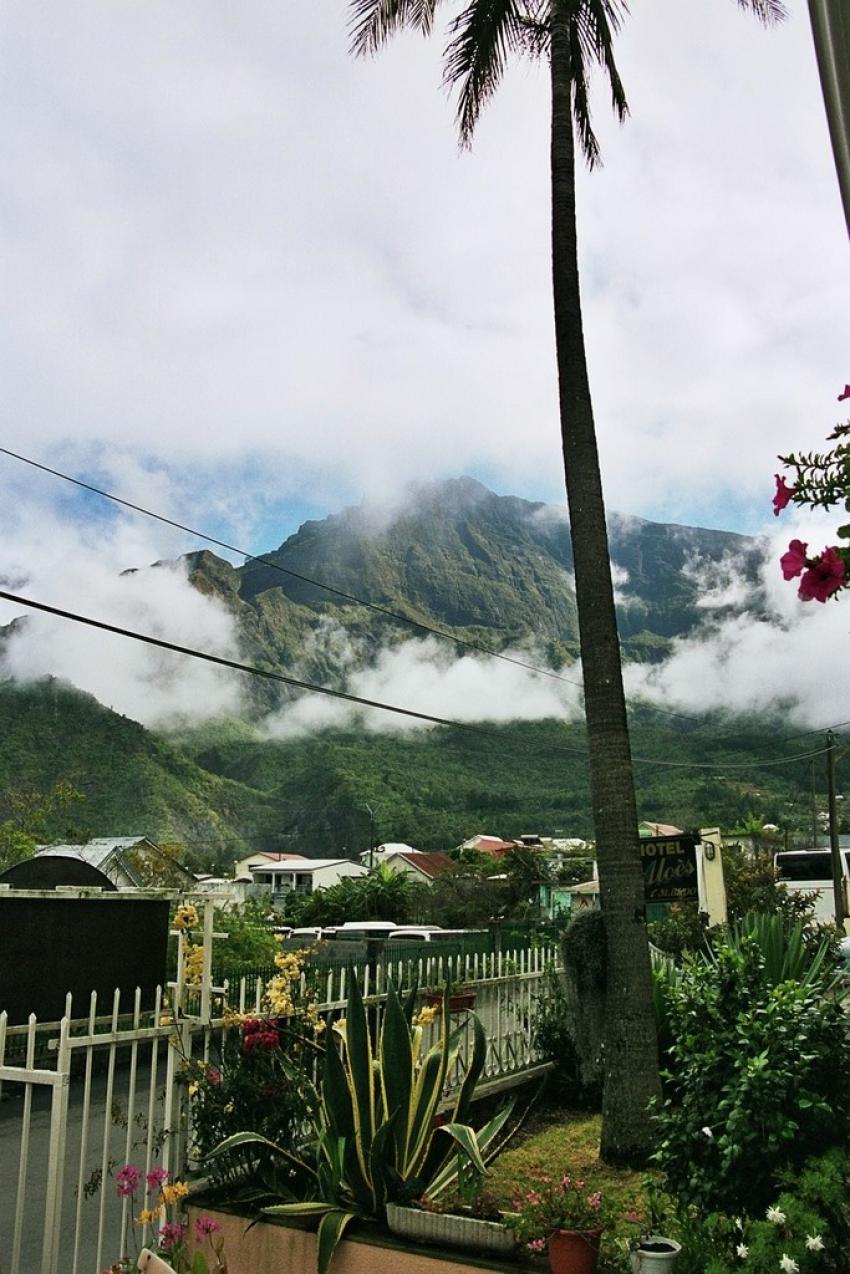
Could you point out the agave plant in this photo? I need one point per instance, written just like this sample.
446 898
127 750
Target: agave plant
377 1140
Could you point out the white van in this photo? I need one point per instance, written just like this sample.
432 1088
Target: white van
358 930
809 872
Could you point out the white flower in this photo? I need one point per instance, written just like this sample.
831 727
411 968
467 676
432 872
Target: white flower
707 1133
788 1264
743 1251
738 1222
776 1216
814 1243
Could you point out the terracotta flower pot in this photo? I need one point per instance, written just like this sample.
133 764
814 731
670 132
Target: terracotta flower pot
574 1251
459 1002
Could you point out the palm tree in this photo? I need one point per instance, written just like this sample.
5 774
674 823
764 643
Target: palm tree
574 35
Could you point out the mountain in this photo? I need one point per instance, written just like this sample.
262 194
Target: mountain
494 570
222 790
130 780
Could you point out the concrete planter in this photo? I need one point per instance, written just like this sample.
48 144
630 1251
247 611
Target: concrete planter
450 1231
275 1243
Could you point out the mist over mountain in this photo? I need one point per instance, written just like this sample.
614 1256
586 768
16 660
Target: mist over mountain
495 570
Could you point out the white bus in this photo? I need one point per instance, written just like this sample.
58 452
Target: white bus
809 872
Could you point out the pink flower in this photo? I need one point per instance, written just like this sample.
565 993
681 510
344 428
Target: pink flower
594 1201
533 1197
536 1245
170 1235
824 578
214 1075
205 1226
251 1025
846 394
793 562
127 1181
157 1178
783 495
566 1183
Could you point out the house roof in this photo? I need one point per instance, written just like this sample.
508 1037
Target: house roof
662 829
278 858
306 865
142 861
429 864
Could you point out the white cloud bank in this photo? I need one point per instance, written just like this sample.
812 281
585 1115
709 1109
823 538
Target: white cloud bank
46 558
425 676
795 659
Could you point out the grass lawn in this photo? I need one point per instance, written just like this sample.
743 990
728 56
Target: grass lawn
568 1142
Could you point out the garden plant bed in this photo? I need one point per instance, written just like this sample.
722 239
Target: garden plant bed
280 1243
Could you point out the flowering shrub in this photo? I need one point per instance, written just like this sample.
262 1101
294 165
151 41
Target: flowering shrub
820 480
259 1079
755 1083
567 1204
804 1229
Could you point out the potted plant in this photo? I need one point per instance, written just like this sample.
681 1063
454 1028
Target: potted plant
654 1252
566 1218
458 999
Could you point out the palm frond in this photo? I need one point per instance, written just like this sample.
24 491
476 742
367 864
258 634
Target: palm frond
373 22
592 25
482 37
767 11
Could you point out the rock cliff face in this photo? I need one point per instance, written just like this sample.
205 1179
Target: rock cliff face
493 569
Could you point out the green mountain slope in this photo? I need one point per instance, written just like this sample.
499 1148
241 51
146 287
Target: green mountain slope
131 780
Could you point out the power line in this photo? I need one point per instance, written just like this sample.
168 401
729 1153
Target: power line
251 669
328 588
285 570
351 597
268 674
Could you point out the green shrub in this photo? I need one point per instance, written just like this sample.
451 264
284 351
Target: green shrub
755 1083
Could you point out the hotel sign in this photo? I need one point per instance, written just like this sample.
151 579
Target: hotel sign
669 868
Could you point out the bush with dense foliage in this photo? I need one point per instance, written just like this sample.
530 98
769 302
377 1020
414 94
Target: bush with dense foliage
756 1079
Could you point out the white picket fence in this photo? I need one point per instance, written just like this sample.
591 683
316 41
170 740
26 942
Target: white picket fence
87 1094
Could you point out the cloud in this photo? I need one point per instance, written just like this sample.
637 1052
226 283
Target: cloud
793 658
423 676
230 246
44 558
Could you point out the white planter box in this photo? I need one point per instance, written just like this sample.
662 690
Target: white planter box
655 1255
450 1231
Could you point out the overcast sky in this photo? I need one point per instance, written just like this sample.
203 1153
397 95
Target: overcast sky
248 279
240 258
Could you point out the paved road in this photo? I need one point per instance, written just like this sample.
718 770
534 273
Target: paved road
11 1107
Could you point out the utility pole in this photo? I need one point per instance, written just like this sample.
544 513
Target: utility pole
835 852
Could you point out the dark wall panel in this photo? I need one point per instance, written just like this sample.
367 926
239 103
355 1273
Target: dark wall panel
49 946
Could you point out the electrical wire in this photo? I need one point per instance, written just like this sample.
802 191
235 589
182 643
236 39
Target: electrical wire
285 570
311 687
328 588
236 666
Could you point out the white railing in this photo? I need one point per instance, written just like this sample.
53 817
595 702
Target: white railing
85 1095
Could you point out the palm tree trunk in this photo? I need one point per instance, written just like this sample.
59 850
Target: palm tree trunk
630 1057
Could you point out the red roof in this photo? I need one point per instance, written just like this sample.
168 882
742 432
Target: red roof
430 864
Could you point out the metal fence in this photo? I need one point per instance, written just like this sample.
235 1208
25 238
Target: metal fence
83 1096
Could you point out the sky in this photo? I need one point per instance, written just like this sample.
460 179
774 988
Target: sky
248 279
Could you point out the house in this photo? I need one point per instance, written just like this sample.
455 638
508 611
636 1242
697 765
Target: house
306 875
419 866
242 868
127 862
